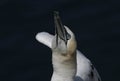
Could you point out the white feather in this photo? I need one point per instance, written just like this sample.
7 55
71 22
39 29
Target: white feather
83 63
45 38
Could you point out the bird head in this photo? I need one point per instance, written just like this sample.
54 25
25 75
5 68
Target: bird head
64 40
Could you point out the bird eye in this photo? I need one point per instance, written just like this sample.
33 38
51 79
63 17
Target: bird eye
68 36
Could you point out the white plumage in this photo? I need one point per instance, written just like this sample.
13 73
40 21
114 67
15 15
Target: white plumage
78 69
45 38
83 64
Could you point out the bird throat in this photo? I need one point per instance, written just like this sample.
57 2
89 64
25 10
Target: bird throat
64 67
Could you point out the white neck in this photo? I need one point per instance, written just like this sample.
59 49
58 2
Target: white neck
56 77
64 67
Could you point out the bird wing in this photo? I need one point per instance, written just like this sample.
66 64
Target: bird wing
45 38
85 69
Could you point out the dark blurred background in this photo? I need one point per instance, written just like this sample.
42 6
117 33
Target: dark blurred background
96 25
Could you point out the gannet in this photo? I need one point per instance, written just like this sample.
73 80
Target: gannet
69 64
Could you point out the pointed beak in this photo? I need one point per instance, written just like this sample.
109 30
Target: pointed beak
59 28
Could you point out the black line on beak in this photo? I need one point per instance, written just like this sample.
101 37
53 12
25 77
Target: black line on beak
59 28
